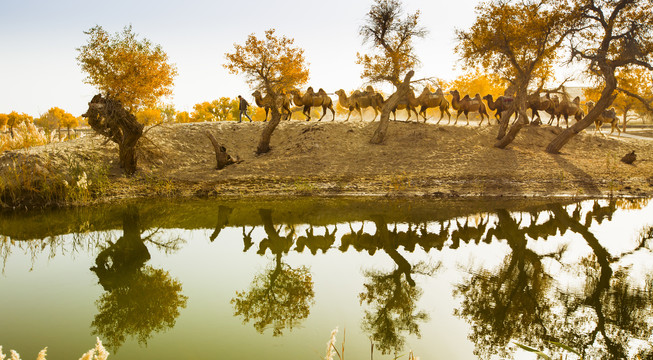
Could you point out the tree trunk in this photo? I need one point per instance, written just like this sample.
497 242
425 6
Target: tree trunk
503 124
221 157
512 133
108 118
625 119
264 143
522 117
607 97
391 103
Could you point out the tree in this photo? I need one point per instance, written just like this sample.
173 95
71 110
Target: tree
272 65
14 119
633 80
57 118
130 74
3 121
389 34
122 67
182 117
517 41
615 35
393 38
149 116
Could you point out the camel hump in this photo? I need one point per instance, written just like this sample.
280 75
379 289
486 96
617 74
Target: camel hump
467 97
321 92
576 100
369 89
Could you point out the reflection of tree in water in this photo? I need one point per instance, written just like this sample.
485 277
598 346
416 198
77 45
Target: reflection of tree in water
391 297
139 300
518 300
280 297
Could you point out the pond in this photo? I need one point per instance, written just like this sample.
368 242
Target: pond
271 279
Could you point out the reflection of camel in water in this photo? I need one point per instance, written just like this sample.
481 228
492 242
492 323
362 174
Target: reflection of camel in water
430 241
468 233
316 242
360 240
275 242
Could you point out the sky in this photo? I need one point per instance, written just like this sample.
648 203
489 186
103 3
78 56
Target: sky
39 38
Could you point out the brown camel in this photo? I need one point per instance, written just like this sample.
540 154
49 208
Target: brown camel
568 108
266 102
553 111
467 105
537 103
361 100
312 99
409 103
501 104
607 117
428 99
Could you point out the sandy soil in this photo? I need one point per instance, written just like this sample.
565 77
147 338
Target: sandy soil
335 158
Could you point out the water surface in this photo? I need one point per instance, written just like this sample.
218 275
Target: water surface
272 279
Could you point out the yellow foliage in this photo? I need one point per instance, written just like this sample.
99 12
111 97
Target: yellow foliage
3 121
182 117
149 116
517 40
272 65
476 82
122 67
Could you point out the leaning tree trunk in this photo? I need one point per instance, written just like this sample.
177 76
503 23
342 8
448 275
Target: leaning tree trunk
110 119
221 157
264 143
391 103
607 97
522 119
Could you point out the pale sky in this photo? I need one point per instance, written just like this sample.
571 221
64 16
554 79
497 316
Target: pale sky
39 38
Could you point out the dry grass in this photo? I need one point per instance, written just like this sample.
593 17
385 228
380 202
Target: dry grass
335 158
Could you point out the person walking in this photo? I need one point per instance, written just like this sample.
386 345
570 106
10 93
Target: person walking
242 107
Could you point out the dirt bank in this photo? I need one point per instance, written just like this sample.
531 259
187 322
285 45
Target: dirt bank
335 158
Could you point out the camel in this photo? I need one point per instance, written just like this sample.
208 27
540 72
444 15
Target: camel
537 103
467 105
266 103
501 104
409 103
553 111
428 99
568 108
360 100
312 99
607 117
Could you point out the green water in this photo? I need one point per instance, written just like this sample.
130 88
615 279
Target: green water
270 279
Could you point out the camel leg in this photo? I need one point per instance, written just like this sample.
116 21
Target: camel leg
323 112
307 112
333 113
467 117
457 116
348 115
360 112
376 113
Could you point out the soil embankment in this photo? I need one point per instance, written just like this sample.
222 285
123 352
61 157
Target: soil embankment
335 158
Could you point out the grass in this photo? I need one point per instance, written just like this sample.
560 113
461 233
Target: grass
36 183
96 353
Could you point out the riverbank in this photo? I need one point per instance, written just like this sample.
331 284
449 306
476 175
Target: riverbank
330 159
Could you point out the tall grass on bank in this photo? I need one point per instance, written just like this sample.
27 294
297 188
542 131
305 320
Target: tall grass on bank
96 353
25 135
60 179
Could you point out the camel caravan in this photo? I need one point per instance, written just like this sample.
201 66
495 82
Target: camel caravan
359 100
